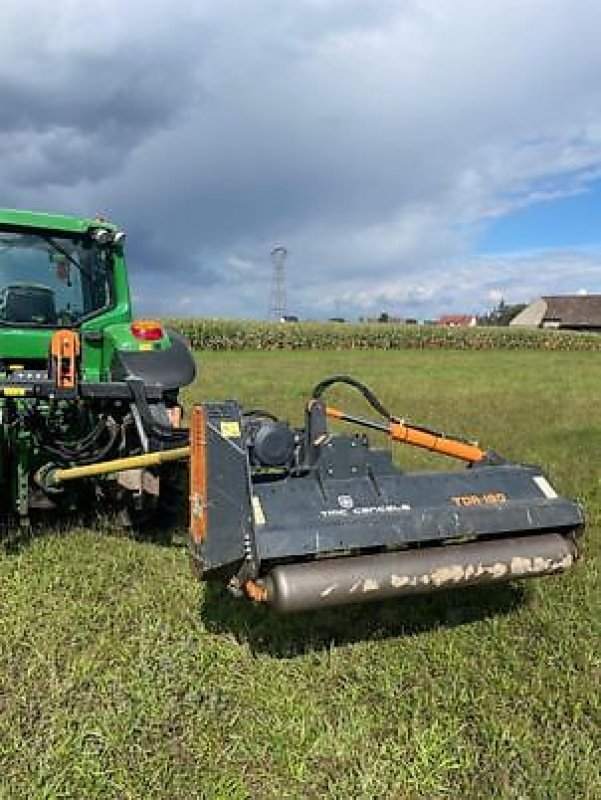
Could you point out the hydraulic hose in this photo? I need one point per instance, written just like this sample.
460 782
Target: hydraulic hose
80 451
367 393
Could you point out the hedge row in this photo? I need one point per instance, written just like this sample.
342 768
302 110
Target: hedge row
219 334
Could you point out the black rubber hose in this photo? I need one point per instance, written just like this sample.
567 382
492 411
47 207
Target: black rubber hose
85 457
73 450
367 393
82 445
259 412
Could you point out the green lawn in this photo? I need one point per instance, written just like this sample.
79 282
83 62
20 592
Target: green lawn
121 677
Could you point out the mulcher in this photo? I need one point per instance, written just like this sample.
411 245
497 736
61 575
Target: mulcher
303 518
295 518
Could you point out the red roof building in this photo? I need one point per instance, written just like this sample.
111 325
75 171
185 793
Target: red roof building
457 320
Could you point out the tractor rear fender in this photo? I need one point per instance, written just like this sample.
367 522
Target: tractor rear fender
165 364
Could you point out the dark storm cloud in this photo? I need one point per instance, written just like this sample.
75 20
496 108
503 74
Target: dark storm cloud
373 138
138 92
76 100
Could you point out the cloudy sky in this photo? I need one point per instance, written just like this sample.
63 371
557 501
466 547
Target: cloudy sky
414 156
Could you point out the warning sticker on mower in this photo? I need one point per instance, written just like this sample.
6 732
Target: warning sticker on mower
364 511
230 429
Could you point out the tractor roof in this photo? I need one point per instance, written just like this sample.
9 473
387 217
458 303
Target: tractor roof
57 222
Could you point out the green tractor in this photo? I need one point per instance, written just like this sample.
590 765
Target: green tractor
81 382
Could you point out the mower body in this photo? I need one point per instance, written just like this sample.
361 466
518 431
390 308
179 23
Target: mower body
303 519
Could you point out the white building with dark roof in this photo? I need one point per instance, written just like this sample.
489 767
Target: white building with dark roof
571 312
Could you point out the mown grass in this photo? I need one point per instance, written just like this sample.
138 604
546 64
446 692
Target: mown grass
120 677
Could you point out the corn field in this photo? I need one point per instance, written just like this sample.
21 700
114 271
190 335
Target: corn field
222 334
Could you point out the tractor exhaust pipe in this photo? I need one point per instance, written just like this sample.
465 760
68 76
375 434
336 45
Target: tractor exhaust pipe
359 579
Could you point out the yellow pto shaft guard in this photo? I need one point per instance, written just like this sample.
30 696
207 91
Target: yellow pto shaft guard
56 475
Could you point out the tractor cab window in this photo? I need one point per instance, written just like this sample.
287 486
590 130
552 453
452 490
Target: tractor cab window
51 280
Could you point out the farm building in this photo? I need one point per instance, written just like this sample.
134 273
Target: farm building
573 312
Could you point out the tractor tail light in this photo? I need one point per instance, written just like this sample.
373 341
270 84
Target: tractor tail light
148 329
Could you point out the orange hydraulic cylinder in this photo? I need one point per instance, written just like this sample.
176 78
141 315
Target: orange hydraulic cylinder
418 437
437 443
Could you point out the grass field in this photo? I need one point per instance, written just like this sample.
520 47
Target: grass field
121 677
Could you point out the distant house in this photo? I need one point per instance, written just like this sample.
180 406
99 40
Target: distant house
457 320
578 312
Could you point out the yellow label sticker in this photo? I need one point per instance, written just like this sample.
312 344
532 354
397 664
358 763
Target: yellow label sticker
16 367
230 429
488 499
14 391
145 346
258 514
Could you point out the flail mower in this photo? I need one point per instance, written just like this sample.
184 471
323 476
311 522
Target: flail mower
296 518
